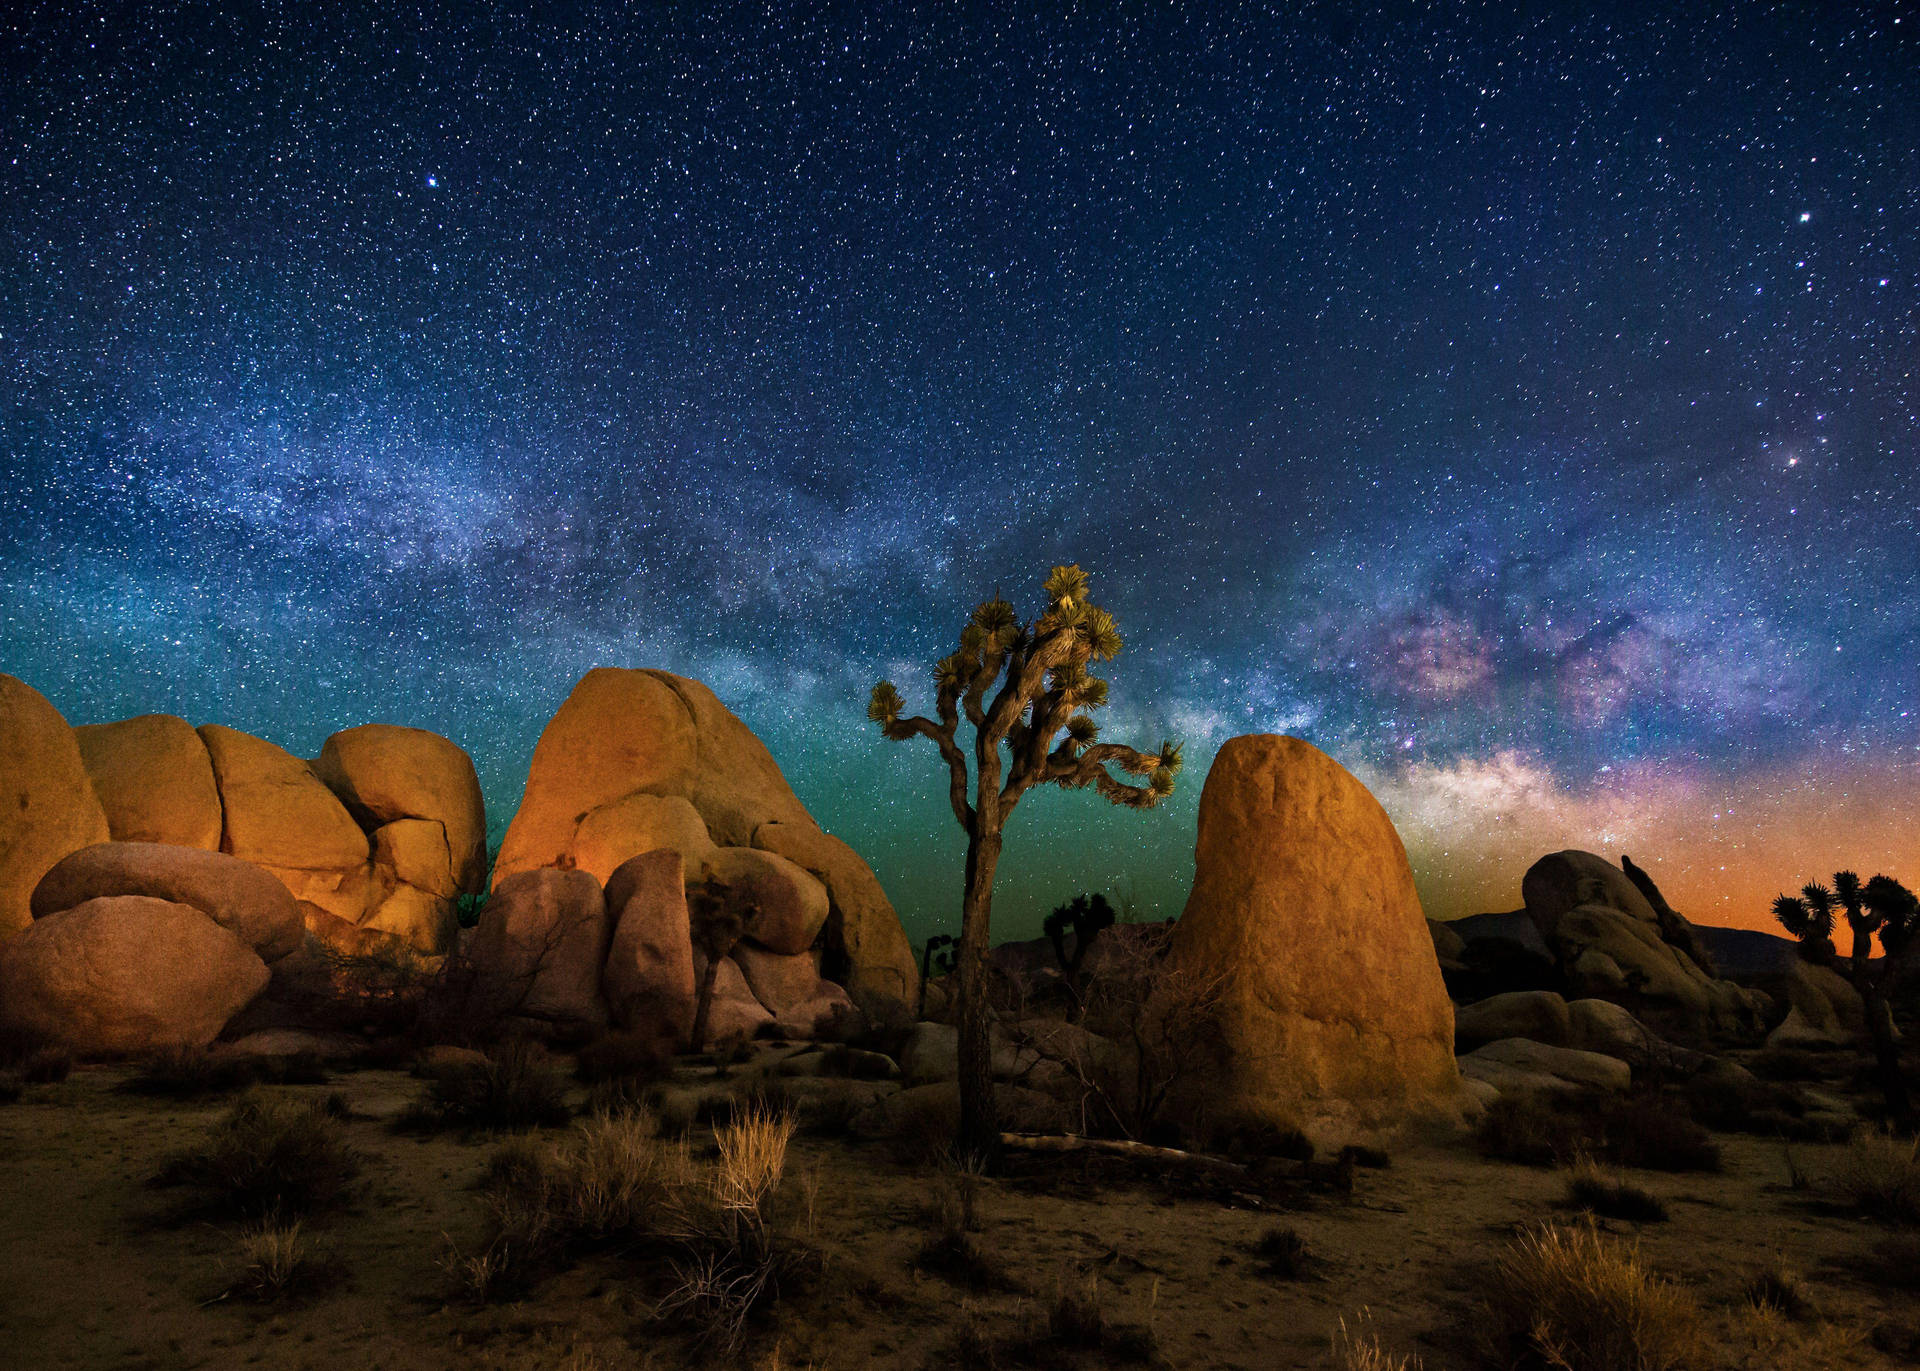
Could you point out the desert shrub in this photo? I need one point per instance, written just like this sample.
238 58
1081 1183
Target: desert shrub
730 1267
1076 1321
1879 1175
19 1043
47 1066
1283 1254
278 1260
1570 1299
1254 1138
11 1088
1532 1131
267 1156
622 1095
1735 1104
1796 1064
1372 1158
189 1072
513 1089
1778 1289
950 1251
1654 1134
1359 1349
610 1180
1598 1191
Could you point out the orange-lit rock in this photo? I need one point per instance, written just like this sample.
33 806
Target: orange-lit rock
47 804
236 895
127 973
1333 1016
154 780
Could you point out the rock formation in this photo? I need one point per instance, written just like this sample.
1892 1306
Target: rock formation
648 976
637 761
540 947
1334 1016
1610 944
126 973
154 779
47 804
240 897
279 815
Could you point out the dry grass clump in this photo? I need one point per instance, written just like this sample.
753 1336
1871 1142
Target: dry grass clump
1657 1134
1778 1289
1651 1132
1879 1175
609 1181
267 1157
950 1251
1359 1349
1596 1190
47 1066
513 1089
1077 1322
1283 1254
278 1261
731 1267
1567 1298
185 1073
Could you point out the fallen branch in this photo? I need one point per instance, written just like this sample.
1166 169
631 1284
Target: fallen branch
1069 1142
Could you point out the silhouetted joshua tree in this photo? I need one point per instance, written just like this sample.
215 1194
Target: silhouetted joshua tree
1019 686
1884 907
717 922
1086 918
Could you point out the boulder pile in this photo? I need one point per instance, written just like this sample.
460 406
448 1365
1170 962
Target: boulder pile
156 878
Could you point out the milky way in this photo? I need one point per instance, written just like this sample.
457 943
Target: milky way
1522 409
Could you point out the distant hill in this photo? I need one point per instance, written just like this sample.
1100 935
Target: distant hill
1737 952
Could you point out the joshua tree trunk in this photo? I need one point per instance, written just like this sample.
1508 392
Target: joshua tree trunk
1886 1050
703 1002
979 1121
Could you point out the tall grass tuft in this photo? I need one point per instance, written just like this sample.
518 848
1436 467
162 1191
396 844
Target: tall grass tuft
1879 1175
1567 1298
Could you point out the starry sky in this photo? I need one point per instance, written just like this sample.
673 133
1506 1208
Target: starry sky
1521 406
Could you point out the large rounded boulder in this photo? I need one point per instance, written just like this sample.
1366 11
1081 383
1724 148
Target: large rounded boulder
386 773
539 949
154 780
280 816
127 973
47 804
237 895
648 976
621 732
863 947
1331 1013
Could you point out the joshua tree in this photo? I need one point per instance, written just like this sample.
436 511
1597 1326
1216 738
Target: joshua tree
717 923
1086 918
1020 686
1882 906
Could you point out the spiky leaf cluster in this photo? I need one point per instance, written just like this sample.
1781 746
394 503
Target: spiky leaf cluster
1881 906
1030 688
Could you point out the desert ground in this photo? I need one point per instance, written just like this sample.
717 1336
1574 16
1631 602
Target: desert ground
104 1270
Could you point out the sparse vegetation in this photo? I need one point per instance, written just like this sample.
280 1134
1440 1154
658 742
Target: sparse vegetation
185 1073
1598 1191
1879 1176
513 1088
1778 1289
1359 1349
267 1157
1649 1132
1570 1299
1283 1254
277 1261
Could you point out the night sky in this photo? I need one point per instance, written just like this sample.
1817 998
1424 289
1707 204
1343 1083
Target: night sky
1524 410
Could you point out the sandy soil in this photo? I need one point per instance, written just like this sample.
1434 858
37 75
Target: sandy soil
96 1273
